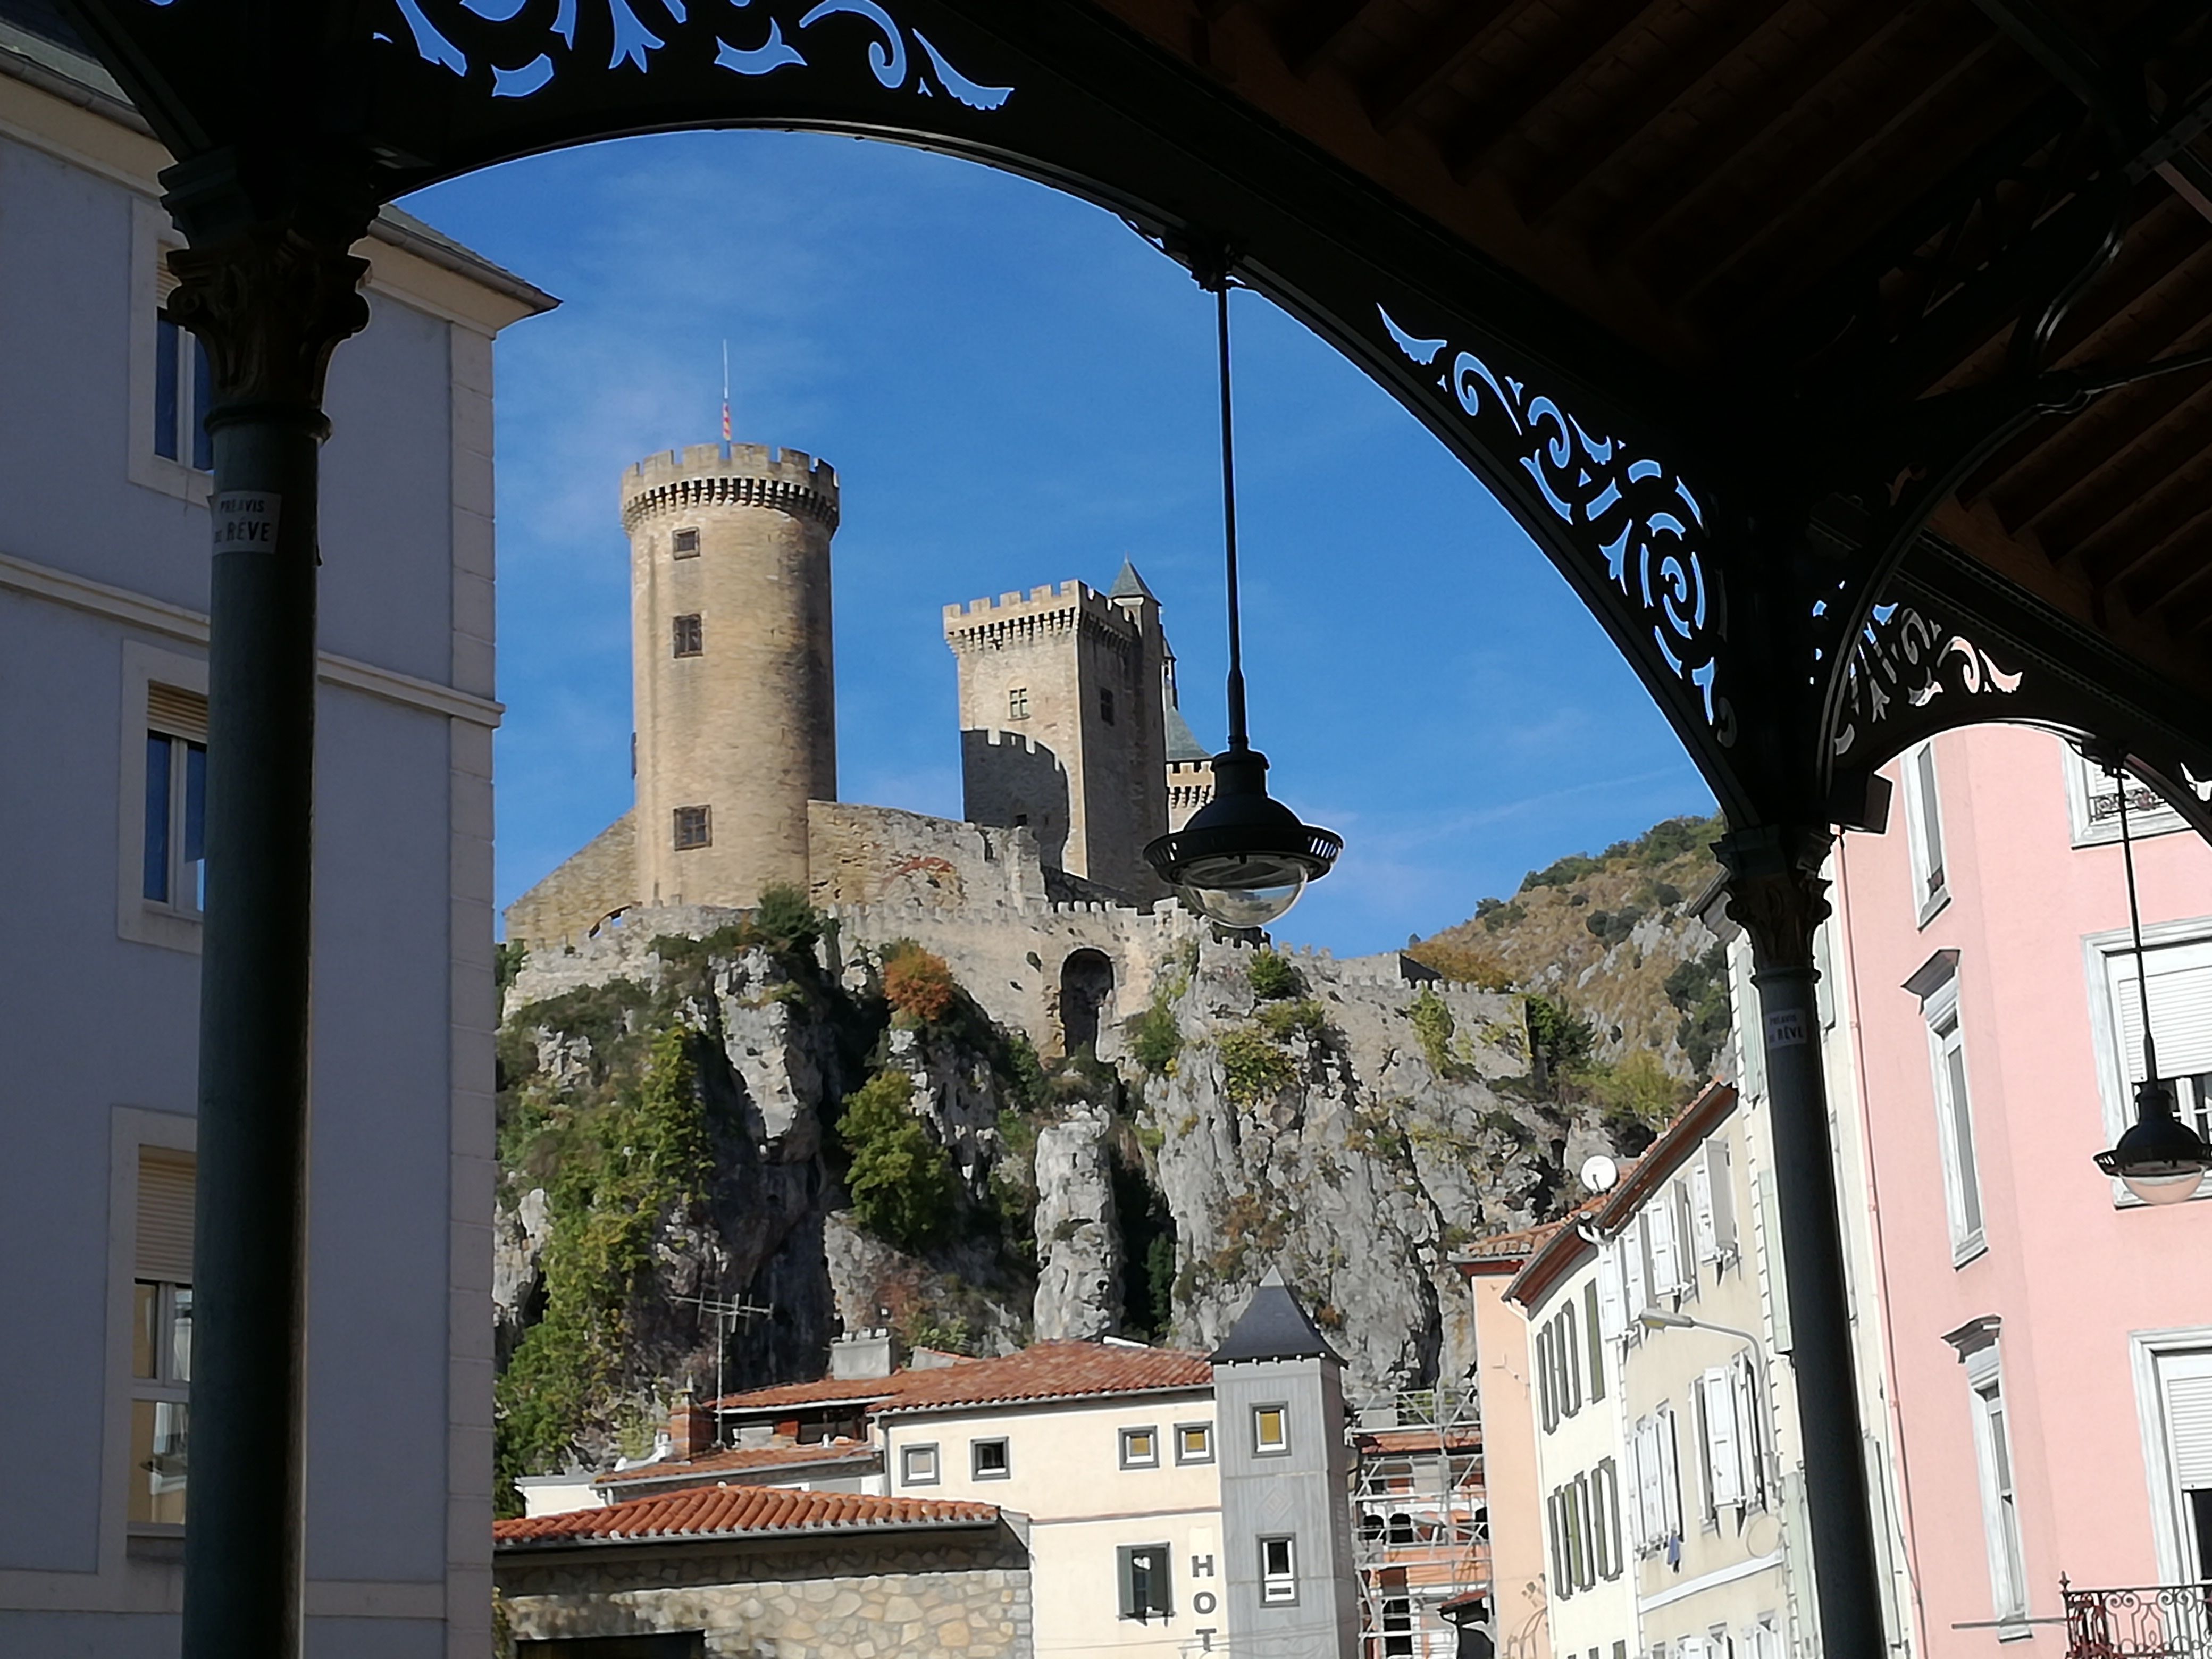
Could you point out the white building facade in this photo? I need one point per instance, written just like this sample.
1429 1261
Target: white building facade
104 570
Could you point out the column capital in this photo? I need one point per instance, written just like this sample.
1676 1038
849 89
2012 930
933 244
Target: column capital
272 299
1776 891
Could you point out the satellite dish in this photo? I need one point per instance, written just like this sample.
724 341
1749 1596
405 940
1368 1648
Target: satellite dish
1599 1173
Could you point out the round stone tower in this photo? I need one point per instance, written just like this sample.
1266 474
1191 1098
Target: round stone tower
735 694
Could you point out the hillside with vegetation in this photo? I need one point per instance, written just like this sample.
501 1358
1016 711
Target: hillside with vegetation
1613 939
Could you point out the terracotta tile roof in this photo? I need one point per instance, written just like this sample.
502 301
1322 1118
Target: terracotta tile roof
1386 1441
744 1459
736 1511
1052 1371
856 1390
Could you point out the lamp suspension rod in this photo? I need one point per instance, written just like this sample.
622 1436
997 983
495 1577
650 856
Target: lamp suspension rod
1237 738
2134 924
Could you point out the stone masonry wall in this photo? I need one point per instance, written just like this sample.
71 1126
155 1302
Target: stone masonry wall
596 881
855 1595
881 855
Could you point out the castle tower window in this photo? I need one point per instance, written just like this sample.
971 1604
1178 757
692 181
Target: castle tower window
1017 703
695 827
690 635
687 544
1106 704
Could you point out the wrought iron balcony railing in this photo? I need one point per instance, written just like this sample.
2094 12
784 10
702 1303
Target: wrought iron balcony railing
2160 1622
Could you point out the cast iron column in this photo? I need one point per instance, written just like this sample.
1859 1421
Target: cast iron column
1776 891
271 299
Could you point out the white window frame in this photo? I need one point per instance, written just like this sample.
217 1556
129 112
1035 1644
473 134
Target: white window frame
1132 1461
1280 1590
2107 958
1204 1454
152 240
169 1384
1281 1447
911 1452
137 917
2001 1531
1923 801
132 1131
976 1449
2169 1517
2087 787
1947 1036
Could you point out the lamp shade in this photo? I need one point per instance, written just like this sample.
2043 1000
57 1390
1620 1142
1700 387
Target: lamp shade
1243 859
2160 1159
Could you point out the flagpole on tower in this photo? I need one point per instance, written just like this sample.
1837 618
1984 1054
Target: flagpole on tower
725 392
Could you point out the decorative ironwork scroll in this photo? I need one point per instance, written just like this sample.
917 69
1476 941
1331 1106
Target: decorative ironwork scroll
532 42
1635 513
1904 656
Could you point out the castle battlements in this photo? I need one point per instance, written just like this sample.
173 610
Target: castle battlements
739 475
993 624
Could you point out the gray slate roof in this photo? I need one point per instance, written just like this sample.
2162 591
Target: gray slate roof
1273 1327
1130 586
1182 742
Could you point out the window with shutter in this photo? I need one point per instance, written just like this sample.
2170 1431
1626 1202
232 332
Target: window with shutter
1593 1323
1651 1475
1923 820
1547 1409
1701 1211
1659 1231
1634 1278
1721 1187
2185 1382
1962 1185
1570 1361
1609 1294
1670 1473
2180 979
1723 1441
1751 1426
161 1338
1144 1573
1605 1483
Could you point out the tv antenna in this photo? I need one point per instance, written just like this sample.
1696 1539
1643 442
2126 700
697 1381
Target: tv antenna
727 1316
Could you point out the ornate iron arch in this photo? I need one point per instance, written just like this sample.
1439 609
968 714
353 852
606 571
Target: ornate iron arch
1563 423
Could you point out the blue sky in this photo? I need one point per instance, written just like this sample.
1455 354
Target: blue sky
1016 390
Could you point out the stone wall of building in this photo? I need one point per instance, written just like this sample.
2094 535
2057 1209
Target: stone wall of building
853 1595
591 886
881 855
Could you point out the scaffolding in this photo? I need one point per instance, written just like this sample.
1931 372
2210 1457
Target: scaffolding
1420 1522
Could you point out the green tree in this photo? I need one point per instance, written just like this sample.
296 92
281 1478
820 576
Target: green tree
901 1181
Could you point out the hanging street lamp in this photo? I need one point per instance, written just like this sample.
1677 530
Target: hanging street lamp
1243 859
2162 1160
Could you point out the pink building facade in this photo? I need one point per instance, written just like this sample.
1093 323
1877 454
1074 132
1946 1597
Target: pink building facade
2048 1338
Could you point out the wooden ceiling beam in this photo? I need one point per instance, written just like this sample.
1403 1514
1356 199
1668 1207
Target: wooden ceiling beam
1431 61
1304 35
1860 33
2148 510
1845 148
2069 467
1551 190
1590 37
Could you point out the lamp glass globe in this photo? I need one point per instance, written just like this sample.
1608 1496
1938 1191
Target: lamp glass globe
2155 1186
1244 907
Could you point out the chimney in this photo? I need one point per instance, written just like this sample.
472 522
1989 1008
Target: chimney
690 1428
866 1355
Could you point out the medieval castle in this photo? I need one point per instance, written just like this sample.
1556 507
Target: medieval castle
1073 753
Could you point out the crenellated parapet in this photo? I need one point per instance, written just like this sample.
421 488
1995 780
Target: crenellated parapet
730 475
1011 620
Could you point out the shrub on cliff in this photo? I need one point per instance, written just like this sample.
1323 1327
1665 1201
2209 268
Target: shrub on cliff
918 985
618 1168
1274 976
1253 1067
901 1181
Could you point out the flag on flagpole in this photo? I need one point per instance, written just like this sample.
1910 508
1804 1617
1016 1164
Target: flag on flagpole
725 392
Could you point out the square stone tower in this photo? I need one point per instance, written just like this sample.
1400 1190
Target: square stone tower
1063 723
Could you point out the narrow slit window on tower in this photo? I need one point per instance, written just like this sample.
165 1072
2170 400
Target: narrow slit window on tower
687 544
690 635
695 827
1017 703
1106 704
